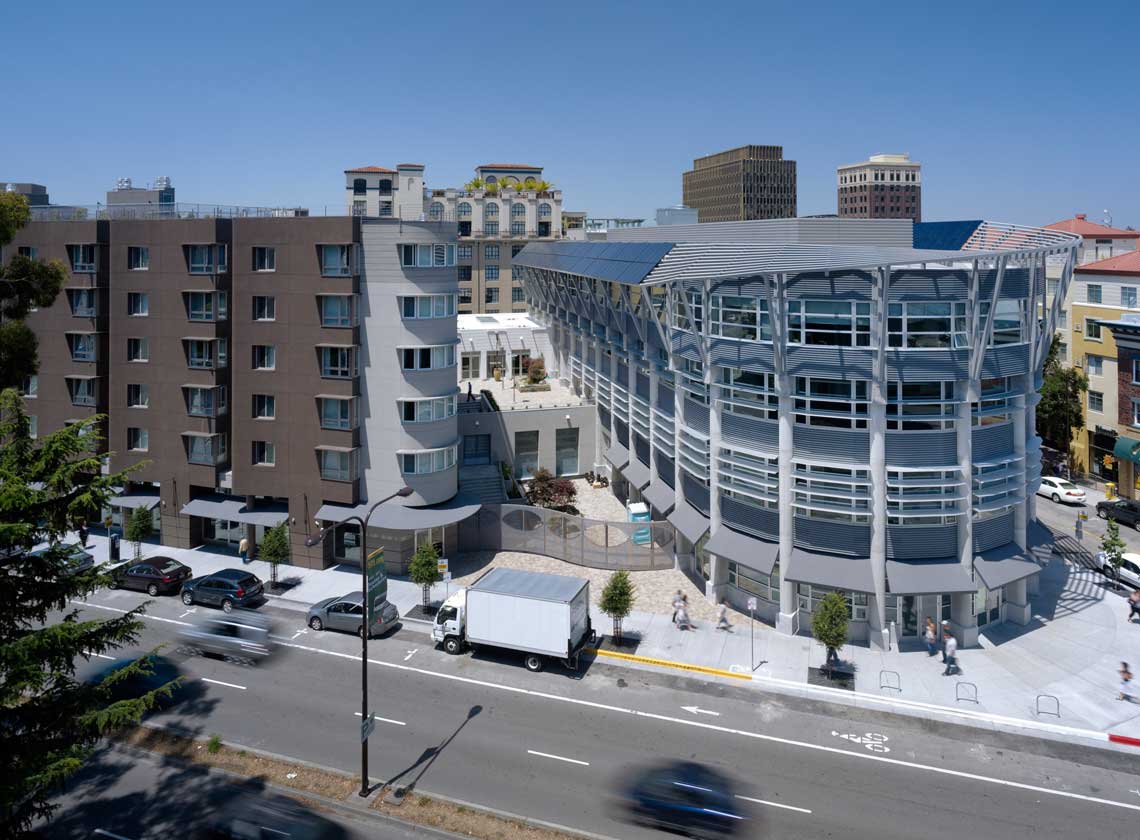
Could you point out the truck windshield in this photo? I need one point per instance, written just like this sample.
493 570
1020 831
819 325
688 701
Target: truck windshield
445 614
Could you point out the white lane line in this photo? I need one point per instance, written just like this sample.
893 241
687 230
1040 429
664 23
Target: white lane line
99 655
411 653
701 725
383 720
118 610
226 684
774 804
103 833
559 758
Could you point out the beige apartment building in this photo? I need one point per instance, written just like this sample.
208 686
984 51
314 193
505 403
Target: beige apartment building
881 187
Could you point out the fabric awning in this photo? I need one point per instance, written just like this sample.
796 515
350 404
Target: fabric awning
636 473
397 517
752 552
235 510
132 501
617 455
835 571
660 495
944 576
689 521
1127 448
1004 565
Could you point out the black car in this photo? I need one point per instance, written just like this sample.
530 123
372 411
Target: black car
76 558
1124 511
247 817
162 672
687 797
227 589
153 575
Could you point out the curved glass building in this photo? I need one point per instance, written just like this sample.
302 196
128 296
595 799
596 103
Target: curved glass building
822 405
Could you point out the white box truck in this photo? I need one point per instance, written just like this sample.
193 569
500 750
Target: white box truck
538 614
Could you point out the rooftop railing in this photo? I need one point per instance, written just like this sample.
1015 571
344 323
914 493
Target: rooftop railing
190 210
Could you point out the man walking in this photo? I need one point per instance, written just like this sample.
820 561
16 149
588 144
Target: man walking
1133 603
722 617
83 533
677 604
950 649
944 636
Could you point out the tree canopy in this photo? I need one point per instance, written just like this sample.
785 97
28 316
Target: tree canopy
1060 413
424 569
617 599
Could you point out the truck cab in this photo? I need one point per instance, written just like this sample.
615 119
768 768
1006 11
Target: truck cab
451 622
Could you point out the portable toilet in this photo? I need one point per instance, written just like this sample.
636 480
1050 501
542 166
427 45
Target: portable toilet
639 512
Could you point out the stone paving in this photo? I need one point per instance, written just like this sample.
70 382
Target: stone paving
598 502
510 398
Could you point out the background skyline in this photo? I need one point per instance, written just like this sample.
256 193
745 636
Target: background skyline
1019 112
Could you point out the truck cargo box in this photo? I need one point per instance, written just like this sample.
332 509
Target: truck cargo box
529 611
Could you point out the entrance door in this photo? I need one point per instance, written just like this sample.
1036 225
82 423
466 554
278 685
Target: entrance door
476 449
910 608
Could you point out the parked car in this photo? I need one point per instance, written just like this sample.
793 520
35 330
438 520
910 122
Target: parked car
227 589
1129 571
1061 490
1124 511
75 556
242 634
687 797
248 816
347 613
153 575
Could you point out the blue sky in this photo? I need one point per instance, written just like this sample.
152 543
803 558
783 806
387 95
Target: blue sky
1020 112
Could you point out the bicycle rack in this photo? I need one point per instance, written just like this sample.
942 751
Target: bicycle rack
1056 705
958 695
884 682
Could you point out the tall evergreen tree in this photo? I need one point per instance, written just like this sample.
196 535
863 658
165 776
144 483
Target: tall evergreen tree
49 719
1059 412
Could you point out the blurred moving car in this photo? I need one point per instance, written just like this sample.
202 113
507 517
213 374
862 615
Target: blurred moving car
687 797
227 589
347 613
76 558
162 671
1124 511
251 817
242 634
1061 490
153 575
1129 572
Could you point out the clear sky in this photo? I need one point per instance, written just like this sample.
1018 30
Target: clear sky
1019 112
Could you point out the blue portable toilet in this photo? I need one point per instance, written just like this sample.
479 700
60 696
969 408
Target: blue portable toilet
639 512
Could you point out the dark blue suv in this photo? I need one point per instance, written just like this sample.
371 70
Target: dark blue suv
227 589
687 797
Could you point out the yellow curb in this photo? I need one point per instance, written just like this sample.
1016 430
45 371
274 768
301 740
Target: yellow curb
667 663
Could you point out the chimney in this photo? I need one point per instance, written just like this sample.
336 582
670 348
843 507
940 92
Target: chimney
1081 217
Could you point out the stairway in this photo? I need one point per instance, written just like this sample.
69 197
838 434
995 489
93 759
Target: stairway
482 483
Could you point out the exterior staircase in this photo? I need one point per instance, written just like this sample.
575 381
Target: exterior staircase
482 483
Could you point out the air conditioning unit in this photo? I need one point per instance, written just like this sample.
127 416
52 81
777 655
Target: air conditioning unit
1078 328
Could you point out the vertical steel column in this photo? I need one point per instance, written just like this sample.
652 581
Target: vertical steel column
877 426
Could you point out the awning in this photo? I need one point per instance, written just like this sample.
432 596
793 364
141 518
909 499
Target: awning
337 346
617 455
851 574
929 577
199 434
396 517
79 376
327 447
636 473
1127 448
660 495
199 338
332 396
1007 564
235 510
754 553
689 521
132 501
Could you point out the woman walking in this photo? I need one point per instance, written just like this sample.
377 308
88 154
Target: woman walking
1125 683
1133 604
931 637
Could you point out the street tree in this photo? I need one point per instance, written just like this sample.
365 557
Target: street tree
617 600
274 550
139 528
1059 413
50 720
424 569
1112 544
829 625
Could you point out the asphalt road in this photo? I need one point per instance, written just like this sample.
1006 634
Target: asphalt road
555 746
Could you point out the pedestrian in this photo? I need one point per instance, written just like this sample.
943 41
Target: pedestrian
951 650
945 633
1125 683
1133 604
722 622
931 636
83 533
470 396
677 604
243 550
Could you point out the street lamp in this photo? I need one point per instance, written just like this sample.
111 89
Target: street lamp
403 493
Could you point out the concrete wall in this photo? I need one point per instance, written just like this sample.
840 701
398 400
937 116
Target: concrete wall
503 425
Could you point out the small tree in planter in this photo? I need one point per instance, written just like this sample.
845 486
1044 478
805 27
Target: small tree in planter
424 570
563 493
829 626
139 528
536 370
1113 547
541 490
274 550
617 600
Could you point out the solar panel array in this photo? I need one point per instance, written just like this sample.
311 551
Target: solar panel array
622 262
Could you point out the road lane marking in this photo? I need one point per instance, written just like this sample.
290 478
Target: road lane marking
119 610
226 684
559 758
697 710
103 833
100 655
383 720
774 804
190 611
301 632
411 653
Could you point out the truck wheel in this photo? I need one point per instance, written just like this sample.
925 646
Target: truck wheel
533 663
452 645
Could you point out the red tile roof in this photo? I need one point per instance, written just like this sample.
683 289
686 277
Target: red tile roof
508 166
1126 263
372 169
1080 224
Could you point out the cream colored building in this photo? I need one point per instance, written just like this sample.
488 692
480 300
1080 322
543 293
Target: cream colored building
379 192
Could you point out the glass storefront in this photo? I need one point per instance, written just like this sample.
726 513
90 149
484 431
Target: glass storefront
908 612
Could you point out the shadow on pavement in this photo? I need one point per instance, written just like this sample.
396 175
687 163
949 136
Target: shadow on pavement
427 757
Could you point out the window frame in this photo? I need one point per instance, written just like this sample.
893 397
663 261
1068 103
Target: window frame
264 259
268 305
138 258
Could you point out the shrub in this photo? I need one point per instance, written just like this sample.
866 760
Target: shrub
424 570
139 527
617 600
829 624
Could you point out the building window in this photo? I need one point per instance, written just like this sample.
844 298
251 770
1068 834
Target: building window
200 354
200 306
264 259
82 390
428 358
82 258
683 317
491 272
264 407
765 587
138 396
335 414
264 308
1136 412
82 302
926 325
427 306
491 252
465 294
83 347
750 393
544 211
1094 364
138 258
30 386
1092 329
439 255
566 451
336 310
338 362
1128 297
428 461
463 210
26 251
204 258
465 275
490 295
518 228
835 493
335 260
205 449
1136 370
526 453
809 597
518 295
463 252
138 349
138 304
837 403
491 228
1094 293
923 497
33 426
137 440
829 323
360 208
994 407
206 402
518 210
435 211
920 406
739 317
1096 401
264 453
1009 325
491 210
1063 320
264 357
427 410
359 186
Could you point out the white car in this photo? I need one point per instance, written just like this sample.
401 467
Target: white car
1061 490
1129 570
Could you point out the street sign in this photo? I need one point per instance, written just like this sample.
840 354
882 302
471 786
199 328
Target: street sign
377 583
447 576
366 727
442 565
751 603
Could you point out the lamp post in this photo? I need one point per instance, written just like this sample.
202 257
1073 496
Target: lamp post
403 492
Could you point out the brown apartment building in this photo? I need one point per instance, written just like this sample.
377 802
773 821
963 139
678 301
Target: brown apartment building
749 182
881 187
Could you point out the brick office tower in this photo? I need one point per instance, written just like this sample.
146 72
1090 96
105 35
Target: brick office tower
881 187
749 182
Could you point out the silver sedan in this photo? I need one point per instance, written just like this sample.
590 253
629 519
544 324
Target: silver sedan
346 613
